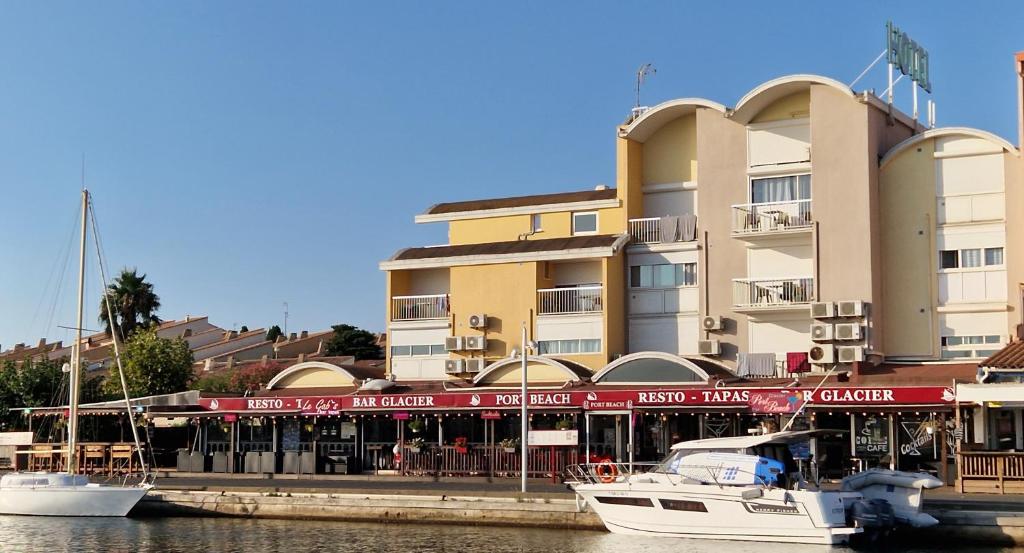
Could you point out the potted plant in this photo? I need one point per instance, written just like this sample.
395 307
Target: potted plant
416 426
461 445
565 424
415 445
509 444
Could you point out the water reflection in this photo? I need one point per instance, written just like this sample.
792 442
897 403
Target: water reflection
195 535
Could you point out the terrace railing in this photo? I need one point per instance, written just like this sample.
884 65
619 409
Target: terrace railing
772 292
417 308
571 300
771 217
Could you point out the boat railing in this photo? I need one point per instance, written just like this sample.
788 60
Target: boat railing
608 472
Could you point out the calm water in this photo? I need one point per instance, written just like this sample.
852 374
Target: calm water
201 535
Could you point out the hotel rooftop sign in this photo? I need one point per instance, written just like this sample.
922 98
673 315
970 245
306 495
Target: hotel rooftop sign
907 56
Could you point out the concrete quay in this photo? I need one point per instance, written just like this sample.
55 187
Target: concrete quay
370 498
988 519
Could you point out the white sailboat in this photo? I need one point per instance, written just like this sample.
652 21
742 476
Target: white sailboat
68 493
747 488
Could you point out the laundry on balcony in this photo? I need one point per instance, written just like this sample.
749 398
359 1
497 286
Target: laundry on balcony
758 365
687 227
669 228
796 362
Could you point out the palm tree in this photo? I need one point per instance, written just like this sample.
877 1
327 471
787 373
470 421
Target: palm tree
133 302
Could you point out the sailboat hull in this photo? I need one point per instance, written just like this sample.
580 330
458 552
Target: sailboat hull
90 500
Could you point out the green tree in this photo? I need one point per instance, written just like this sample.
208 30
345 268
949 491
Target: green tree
350 340
133 302
153 365
40 382
219 382
273 333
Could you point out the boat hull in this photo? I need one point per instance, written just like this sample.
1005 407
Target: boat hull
722 514
91 500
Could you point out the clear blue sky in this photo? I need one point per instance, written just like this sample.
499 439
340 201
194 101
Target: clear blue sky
243 154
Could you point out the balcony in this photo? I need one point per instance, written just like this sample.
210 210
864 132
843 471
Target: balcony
769 294
569 300
652 230
771 218
419 308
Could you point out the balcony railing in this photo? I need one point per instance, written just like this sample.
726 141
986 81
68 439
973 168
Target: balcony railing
771 217
418 308
565 301
748 292
649 230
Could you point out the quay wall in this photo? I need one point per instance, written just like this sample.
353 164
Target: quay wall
957 523
538 512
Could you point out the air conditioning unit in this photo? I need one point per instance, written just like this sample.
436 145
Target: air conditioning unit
849 354
823 310
709 347
455 366
822 354
821 332
478 321
851 308
474 365
474 343
849 331
453 343
711 323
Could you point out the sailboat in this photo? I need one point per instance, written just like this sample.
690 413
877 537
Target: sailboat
69 493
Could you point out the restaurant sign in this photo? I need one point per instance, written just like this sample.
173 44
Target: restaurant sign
592 400
776 402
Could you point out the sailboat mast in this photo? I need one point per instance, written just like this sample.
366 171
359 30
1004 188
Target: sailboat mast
76 351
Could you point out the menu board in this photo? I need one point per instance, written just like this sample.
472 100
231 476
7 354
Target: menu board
871 436
290 435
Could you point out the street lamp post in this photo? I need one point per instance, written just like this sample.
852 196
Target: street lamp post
525 437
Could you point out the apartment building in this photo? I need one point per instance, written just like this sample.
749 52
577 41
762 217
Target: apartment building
806 227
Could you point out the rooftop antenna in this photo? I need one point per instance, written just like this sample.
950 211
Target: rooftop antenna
641 75
286 318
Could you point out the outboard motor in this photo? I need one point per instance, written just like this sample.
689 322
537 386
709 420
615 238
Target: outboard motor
871 514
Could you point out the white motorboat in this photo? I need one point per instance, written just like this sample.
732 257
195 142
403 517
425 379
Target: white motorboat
71 494
746 488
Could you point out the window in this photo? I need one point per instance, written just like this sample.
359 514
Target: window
993 256
780 189
584 223
683 505
569 347
631 501
970 257
949 259
666 275
535 223
421 350
974 346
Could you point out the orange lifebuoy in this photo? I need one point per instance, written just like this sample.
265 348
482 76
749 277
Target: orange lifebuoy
606 472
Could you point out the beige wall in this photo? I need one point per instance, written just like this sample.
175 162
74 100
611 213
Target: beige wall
841 185
670 154
907 214
794 106
722 154
1014 237
553 225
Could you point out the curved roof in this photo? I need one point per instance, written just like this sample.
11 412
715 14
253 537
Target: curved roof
653 119
947 131
768 92
310 366
650 367
573 372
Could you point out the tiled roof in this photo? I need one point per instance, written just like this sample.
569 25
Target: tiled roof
1010 357
512 247
522 201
